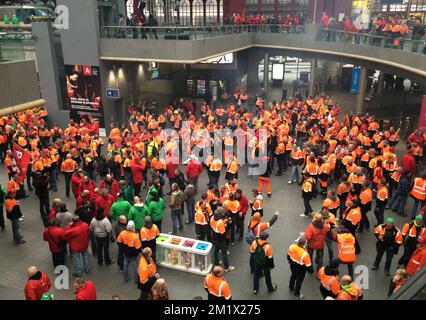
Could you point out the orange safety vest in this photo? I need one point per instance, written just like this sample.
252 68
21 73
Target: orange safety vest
149 234
419 189
69 165
381 230
299 255
366 196
382 193
331 283
218 226
147 269
353 215
217 286
346 247
200 218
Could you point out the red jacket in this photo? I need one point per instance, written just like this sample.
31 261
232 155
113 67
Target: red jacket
36 286
137 173
409 163
417 260
75 184
90 185
193 169
171 170
78 236
244 205
52 213
86 292
53 235
106 203
316 236
115 188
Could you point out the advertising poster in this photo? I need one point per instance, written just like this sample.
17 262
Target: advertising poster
356 75
21 159
84 96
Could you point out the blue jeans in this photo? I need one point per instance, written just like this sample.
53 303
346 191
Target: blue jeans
176 219
17 236
135 262
53 179
190 206
77 261
93 243
399 203
295 174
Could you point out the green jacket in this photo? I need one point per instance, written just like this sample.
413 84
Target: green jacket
156 210
127 193
148 198
118 208
137 214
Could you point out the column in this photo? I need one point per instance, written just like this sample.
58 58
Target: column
253 70
191 12
312 77
380 87
218 13
360 97
204 12
47 62
266 72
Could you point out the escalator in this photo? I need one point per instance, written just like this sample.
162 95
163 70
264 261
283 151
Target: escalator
414 289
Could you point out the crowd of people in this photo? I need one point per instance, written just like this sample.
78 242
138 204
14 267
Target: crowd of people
347 160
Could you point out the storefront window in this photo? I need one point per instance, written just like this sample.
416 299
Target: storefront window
198 9
129 8
185 13
211 11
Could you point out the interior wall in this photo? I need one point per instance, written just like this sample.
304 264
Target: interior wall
19 83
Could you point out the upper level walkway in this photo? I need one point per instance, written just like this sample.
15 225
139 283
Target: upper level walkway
194 44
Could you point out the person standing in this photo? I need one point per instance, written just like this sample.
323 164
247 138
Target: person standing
189 197
131 248
3 194
216 286
13 213
41 186
264 261
300 262
84 289
148 234
193 170
411 233
418 258
118 228
401 195
218 224
315 234
102 230
389 238
38 284
417 34
418 193
175 204
137 213
54 235
307 194
244 206
345 248
68 167
120 207
147 273
381 201
351 219
156 206
366 199
329 279
77 233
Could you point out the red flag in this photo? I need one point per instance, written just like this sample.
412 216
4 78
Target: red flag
21 159
422 118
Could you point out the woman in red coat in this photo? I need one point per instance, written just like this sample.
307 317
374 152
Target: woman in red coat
84 290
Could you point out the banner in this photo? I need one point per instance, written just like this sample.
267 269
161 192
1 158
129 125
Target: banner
21 159
84 95
356 76
422 117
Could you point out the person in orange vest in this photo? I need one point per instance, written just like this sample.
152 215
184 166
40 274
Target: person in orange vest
131 244
381 201
296 160
234 208
147 272
149 233
349 290
214 170
202 219
68 167
216 286
265 178
300 262
307 194
365 199
389 238
345 248
219 224
262 253
329 279
14 214
342 193
411 232
351 219
418 193
418 258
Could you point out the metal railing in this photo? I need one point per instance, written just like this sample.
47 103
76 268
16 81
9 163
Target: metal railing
414 289
192 33
396 42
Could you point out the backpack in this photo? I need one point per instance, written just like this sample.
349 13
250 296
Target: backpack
259 255
250 236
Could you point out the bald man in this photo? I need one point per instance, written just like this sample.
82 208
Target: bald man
38 283
216 285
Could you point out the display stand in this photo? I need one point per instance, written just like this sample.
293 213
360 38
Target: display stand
184 254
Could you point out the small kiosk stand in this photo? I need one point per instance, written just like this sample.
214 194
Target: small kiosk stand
184 254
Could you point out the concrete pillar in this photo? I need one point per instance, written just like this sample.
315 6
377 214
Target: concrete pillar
266 73
360 97
47 65
253 70
312 76
380 87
